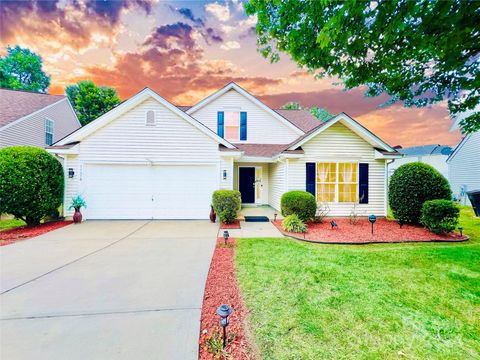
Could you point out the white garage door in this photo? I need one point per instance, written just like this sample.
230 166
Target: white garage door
149 192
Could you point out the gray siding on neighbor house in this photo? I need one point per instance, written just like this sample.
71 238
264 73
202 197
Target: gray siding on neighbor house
31 129
464 166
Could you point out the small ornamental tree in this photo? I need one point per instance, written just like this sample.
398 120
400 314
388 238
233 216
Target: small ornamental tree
31 183
411 185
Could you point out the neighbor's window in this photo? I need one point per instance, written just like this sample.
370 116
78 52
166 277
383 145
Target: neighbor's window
150 118
337 182
232 125
49 124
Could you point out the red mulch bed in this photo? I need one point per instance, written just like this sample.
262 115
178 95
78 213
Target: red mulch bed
222 288
23 232
234 225
384 231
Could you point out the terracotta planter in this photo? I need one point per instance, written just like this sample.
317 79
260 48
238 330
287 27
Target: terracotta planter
77 217
213 216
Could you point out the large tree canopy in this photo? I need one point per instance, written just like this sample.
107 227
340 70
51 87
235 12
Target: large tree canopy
91 101
320 113
417 51
22 69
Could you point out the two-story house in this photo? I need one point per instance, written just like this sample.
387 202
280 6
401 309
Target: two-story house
35 119
147 158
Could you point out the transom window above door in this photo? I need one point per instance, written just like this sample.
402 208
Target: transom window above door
232 125
337 182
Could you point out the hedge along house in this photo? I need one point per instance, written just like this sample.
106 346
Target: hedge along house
147 158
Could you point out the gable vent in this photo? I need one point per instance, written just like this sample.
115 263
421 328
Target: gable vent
150 118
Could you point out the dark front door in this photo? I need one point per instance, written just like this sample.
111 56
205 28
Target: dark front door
246 184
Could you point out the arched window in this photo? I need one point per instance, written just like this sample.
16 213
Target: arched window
150 117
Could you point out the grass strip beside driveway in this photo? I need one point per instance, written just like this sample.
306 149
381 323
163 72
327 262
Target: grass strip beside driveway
386 301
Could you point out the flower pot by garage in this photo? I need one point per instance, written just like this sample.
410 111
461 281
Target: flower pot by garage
213 216
77 217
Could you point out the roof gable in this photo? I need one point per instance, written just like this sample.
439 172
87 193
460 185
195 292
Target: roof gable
350 123
247 95
17 104
129 104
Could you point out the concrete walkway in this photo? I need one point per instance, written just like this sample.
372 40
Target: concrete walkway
106 290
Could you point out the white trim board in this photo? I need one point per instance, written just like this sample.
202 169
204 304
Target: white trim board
130 104
250 97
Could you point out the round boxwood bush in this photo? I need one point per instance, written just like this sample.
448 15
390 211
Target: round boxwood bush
31 183
411 185
293 223
440 216
226 204
298 202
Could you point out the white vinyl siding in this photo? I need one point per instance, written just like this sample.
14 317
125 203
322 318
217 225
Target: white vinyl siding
262 128
276 183
464 167
31 129
340 144
126 140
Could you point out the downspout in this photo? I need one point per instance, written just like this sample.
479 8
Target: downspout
387 162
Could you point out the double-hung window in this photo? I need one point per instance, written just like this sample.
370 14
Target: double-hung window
232 125
49 125
337 182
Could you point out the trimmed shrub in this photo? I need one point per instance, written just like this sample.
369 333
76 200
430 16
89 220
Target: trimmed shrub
411 185
31 183
298 202
293 223
440 216
226 204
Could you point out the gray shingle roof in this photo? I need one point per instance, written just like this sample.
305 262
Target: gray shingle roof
15 104
432 149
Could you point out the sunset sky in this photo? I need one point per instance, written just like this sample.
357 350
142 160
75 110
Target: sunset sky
185 50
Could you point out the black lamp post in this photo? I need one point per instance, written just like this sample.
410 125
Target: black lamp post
224 312
372 219
460 228
226 235
400 222
275 216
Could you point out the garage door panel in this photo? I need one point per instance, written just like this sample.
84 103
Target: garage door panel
146 192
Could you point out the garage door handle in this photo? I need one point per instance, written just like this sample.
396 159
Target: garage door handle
152 197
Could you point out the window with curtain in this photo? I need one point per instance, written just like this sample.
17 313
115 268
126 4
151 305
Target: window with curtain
232 125
337 182
326 181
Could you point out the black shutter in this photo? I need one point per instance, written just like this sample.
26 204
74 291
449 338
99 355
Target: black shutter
310 177
363 183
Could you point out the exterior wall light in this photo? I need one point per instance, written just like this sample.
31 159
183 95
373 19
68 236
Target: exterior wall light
372 219
226 235
71 173
225 174
224 311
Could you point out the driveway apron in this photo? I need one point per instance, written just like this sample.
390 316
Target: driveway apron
106 290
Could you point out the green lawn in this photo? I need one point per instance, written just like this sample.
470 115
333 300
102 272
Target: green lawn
387 301
8 224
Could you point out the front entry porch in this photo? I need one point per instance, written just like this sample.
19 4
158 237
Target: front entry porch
260 210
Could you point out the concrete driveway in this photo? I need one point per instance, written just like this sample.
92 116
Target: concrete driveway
106 290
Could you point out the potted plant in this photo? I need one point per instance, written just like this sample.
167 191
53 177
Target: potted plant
77 203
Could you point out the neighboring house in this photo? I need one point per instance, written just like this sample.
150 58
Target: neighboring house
434 155
147 158
29 118
464 163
